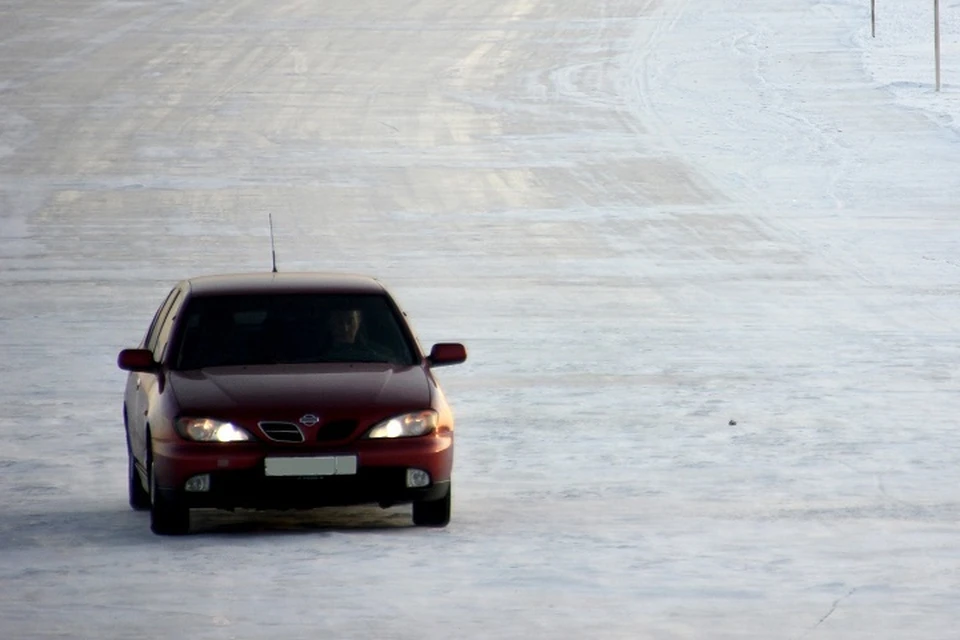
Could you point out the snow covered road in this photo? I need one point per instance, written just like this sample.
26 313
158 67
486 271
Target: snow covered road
645 218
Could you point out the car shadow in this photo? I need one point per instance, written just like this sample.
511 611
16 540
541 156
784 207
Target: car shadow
114 525
327 519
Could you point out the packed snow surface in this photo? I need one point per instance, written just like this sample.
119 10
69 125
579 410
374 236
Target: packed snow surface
705 256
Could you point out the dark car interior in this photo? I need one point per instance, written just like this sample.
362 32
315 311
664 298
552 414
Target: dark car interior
232 330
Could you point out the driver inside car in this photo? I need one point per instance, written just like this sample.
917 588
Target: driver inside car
348 342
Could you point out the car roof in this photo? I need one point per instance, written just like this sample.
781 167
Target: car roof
294 282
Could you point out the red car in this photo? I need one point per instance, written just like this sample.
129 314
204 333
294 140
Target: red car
285 391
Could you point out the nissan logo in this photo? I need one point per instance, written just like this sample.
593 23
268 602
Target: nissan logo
309 420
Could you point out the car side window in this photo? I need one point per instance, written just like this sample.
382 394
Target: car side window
166 326
150 339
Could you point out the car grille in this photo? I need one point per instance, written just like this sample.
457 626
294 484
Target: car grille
338 430
282 431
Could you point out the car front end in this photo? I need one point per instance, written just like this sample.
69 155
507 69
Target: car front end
286 464
304 438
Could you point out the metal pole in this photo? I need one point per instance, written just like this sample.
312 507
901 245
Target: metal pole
936 37
873 18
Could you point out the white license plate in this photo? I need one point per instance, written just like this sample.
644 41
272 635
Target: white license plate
321 466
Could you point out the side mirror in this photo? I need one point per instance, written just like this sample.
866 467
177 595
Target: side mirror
136 360
445 353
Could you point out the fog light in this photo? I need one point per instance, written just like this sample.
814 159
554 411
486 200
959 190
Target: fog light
198 483
417 478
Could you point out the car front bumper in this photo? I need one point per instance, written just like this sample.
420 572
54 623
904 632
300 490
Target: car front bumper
238 477
251 490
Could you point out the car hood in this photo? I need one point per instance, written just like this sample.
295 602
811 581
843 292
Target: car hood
290 391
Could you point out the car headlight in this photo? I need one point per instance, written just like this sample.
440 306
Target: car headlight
209 430
419 423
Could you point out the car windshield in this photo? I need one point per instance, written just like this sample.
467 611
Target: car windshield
232 330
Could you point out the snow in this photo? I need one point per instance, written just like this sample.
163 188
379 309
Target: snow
704 255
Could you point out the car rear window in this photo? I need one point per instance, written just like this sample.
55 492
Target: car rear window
233 330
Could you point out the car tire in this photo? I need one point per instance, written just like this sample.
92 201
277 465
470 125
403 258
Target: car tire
167 517
139 497
432 513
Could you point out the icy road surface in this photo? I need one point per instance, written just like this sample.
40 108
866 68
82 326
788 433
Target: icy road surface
646 219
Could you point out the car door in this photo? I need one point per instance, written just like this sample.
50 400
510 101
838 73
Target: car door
145 383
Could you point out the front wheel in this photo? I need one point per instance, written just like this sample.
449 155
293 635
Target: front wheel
167 517
432 513
139 497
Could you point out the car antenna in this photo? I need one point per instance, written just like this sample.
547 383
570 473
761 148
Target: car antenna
273 250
